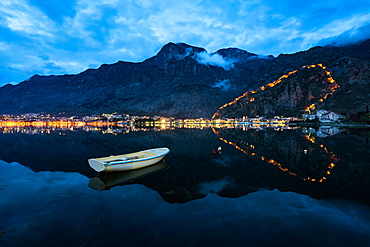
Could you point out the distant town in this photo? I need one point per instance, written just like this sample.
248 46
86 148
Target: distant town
119 118
35 119
117 122
328 124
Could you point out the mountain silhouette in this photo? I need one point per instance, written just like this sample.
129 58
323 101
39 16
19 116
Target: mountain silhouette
188 82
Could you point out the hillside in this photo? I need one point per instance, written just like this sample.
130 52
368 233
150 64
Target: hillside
331 78
293 94
187 81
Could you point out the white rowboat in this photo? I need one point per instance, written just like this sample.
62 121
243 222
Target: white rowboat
130 161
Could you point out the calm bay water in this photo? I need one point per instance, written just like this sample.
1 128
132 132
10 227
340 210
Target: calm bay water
301 187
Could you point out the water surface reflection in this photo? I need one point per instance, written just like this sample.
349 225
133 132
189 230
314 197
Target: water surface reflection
58 209
252 159
232 198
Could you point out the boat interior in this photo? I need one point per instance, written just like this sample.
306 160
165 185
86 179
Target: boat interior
126 157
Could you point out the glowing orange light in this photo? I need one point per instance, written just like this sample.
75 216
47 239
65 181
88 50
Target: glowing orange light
279 80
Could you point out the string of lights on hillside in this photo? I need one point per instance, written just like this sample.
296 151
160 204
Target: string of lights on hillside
309 108
279 165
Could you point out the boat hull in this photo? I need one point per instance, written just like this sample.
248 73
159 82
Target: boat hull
118 163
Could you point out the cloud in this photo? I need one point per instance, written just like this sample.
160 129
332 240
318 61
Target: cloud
215 60
346 31
214 186
249 216
24 19
224 161
188 52
340 27
224 85
103 31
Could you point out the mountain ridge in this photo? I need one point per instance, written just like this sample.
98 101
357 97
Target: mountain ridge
184 81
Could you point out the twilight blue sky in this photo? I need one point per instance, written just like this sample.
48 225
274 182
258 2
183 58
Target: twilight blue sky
68 36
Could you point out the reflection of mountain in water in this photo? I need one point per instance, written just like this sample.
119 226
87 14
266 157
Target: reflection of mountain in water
195 172
339 163
326 131
290 151
69 150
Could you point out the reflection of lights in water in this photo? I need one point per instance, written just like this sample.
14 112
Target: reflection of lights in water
277 164
112 128
310 138
48 127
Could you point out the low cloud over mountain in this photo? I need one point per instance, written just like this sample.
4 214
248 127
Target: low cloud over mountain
215 60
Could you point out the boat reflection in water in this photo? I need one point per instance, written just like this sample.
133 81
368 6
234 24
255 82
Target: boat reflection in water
106 181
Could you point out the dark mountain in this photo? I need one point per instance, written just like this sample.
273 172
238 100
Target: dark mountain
340 83
186 81
286 96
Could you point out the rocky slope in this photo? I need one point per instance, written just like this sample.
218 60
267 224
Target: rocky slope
339 82
186 81
291 95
